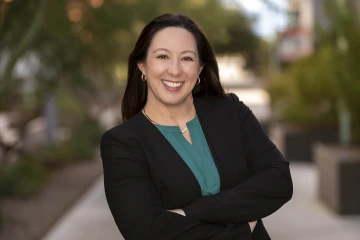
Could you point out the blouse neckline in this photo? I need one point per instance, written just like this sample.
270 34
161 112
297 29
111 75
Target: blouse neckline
176 129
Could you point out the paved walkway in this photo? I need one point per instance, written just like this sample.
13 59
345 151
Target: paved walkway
304 217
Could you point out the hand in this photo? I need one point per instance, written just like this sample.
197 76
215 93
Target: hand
252 225
178 211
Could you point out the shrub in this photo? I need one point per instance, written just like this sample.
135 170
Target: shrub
305 93
85 136
23 178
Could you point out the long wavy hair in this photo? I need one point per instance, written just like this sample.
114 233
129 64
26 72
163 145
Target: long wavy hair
135 95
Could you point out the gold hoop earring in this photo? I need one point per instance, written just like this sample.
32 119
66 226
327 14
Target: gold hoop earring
198 81
143 78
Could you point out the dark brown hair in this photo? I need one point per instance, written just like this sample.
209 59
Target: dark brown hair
136 90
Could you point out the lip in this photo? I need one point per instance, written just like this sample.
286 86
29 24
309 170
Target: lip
172 88
172 81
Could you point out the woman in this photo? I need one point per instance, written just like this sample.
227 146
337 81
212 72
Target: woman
189 161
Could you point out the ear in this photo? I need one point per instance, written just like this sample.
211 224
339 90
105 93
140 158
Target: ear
141 67
201 68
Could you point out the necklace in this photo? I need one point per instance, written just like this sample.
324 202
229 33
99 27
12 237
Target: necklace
153 122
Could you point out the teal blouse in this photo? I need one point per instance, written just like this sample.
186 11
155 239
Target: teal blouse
196 155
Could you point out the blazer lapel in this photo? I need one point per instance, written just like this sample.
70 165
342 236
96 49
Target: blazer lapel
208 121
167 156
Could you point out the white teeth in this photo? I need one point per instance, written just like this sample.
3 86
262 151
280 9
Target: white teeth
172 84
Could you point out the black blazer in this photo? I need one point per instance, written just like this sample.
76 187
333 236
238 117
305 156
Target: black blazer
144 176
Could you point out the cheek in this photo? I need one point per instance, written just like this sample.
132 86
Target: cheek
191 70
154 68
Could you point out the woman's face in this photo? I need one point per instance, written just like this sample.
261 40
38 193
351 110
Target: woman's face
172 66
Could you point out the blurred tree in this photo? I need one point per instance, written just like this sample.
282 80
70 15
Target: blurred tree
100 34
22 46
304 93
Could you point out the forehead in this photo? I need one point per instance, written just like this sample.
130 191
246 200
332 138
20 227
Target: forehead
174 38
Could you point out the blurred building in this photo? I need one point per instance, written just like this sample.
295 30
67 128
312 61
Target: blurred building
299 39
245 84
295 43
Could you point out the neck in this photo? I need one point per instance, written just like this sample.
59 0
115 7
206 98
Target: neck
170 114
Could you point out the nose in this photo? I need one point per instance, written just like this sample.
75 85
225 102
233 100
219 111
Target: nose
175 67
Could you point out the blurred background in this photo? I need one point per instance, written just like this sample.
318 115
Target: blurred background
63 67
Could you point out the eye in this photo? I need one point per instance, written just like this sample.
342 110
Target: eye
187 58
162 57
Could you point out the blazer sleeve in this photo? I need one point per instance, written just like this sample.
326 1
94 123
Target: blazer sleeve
260 195
135 205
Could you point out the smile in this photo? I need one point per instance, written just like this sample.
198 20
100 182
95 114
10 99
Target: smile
172 84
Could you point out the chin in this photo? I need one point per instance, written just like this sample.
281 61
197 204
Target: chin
173 101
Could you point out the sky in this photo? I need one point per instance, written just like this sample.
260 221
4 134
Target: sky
269 21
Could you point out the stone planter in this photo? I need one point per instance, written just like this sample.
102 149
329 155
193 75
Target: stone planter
338 177
295 142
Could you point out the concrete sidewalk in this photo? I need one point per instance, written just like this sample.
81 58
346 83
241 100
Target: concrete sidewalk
89 219
304 217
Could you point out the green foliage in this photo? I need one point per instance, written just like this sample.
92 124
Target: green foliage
24 178
31 170
69 105
85 137
305 93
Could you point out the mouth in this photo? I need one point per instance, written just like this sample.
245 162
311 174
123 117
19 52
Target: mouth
172 85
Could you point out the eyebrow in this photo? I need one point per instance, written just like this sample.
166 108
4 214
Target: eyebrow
166 50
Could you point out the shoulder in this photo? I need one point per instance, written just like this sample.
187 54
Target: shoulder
122 142
227 109
229 102
125 132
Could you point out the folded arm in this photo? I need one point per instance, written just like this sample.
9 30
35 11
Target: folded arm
260 195
181 212
135 204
